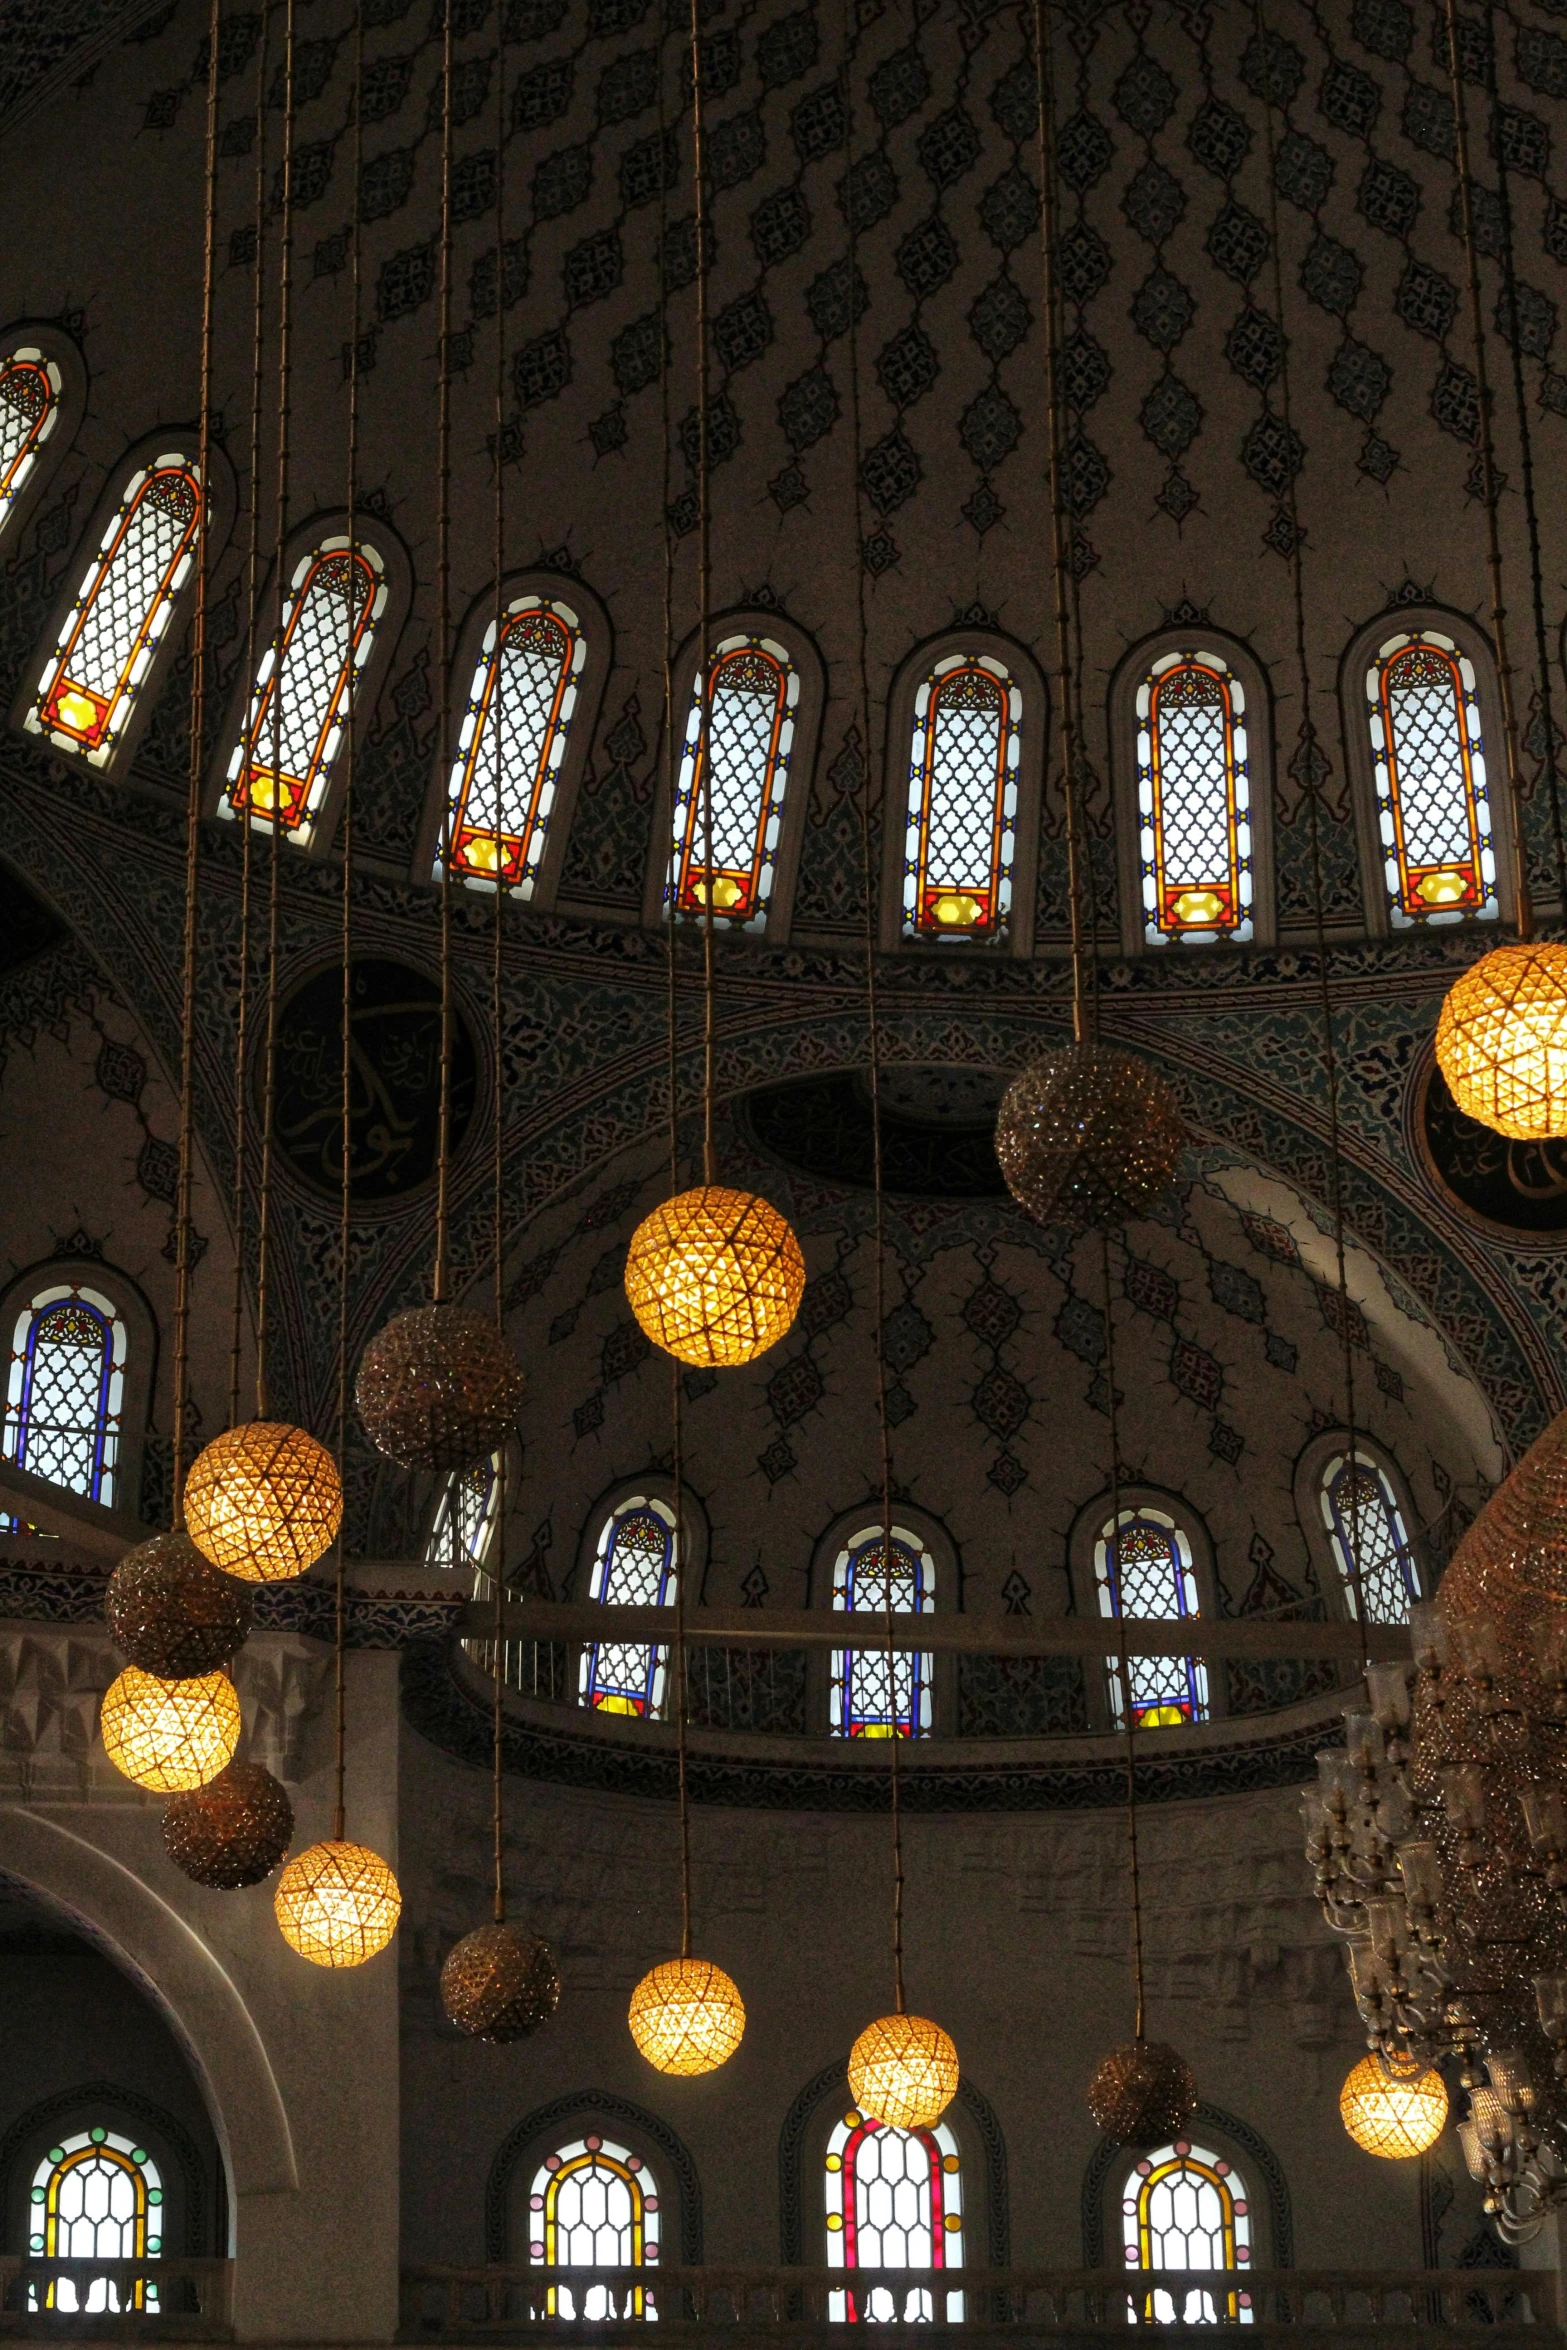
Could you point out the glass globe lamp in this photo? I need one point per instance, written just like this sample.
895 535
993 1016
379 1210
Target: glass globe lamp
170 1735
715 1277
438 1388
337 1904
1501 1041
499 1983
903 2070
687 2016
1393 2111
232 1832
1143 2092
1088 1137
263 1501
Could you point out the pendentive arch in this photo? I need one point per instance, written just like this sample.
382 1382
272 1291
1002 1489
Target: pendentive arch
1263 2171
541 2130
805 2129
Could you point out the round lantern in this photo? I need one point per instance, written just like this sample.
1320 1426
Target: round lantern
264 1501
1143 2093
172 1613
1088 1137
337 1904
499 1983
687 2016
715 1277
1394 2111
1501 1041
903 2070
170 1735
438 1388
231 1832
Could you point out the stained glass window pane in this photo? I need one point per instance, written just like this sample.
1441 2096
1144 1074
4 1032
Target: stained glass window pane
754 694
894 2199
299 704
635 1567
1145 1569
96 2196
465 1517
875 1693
29 411
594 2204
512 744
1366 1525
1185 2207
65 1390
1193 801
1428 761
962 801
122 610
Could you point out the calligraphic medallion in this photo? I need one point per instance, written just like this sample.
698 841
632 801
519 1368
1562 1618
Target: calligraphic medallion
1514 1190
394 1080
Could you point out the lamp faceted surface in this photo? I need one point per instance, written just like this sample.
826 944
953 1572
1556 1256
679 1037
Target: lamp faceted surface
1088 1137
903 2070
1396 2114
172 1613
687 2016
438 1388
499 1983
1143 2093
170 1735
233 1831
337 1904
263 1501
1501 1041
715 1277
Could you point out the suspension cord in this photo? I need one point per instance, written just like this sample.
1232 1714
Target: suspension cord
443 617
496 1542
671 760
1123 1662
704 486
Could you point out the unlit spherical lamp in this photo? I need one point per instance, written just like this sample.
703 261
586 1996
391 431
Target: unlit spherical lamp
1143 2093
499 1983
264 1501
715 1277
170 1735
233 1831
1501 1041
687 2016
1088 1137
172 1613
903 2070
438 1388
337 1904
1394 2112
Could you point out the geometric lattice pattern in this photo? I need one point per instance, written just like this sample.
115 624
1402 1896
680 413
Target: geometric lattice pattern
875 1693
1145 1570
729 793
894 2200
106 644
687 2017
96 2196
1194 801
715 1276
465 1519
962 800
903 2070
1184 2207
337 1904
635 1567
1395 2115
302 698
1428 757
170 1735
1366 1527
1501 1041
593 2204
63 1401
29 405
263 1501
512 743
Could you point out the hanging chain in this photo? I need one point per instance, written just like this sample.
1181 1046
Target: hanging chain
704 487
1123 1661
443 618
495 1536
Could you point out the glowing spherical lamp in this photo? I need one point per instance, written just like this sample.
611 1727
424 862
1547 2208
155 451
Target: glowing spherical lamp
687 2016
337 1904
499 1983
1394 2111
170 1735
903 2070
1088 1137
263 1501
715 1277
1501 1041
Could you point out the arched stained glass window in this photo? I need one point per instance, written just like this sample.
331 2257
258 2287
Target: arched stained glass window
1194 800
635 1567
524 695
894 2200
122 610
1365 1524
1184 2207
753 696
66 1390
299 704
876 1693
962 806
29 411
1143 1567
464 1523
1428 764
96 2196
594 2204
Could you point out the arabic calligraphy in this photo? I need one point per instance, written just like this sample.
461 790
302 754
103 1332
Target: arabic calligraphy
394 1073
1521 1186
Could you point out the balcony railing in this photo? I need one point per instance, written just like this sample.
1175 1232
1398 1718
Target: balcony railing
165 2299
1395 2310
